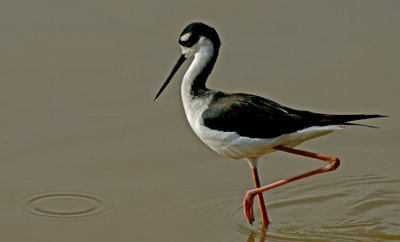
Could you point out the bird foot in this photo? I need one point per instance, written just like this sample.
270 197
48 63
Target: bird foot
248 207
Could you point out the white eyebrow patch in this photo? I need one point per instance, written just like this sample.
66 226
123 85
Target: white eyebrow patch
185 37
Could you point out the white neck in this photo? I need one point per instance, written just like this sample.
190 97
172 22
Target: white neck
194 107
204 51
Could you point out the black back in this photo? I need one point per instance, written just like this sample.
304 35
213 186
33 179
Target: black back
257 117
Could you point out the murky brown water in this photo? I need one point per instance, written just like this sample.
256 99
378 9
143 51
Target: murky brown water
86 155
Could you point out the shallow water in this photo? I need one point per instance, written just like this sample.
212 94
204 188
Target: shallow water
86 155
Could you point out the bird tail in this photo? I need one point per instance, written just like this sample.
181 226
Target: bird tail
346 119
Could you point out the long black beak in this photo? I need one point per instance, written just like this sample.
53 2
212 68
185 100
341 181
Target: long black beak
176 67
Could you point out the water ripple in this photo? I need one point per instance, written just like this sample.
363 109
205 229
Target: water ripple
63 206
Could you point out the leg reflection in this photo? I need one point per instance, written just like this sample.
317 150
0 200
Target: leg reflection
254 234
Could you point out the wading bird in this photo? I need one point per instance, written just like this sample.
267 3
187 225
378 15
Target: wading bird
239 125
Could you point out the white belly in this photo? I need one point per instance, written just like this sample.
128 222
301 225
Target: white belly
232 145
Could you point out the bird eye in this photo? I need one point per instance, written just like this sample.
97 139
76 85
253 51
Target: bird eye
183 42
188 39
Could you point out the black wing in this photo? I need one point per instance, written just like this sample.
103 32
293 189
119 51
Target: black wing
257 117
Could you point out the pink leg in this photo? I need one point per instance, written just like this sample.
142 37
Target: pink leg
260 201
334 163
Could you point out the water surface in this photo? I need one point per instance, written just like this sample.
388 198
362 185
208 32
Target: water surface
86 155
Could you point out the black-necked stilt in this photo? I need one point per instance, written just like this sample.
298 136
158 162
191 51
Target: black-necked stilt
240 125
